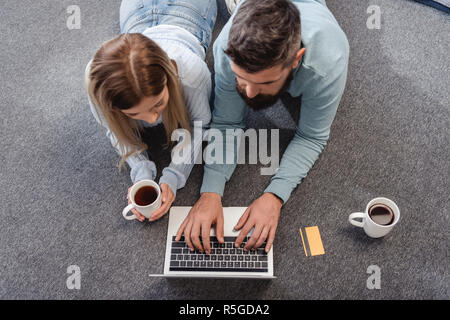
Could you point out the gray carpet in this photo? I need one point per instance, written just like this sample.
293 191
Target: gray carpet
62 195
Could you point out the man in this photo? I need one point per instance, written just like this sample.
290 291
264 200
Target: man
264 50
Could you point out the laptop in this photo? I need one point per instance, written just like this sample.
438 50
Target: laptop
224 261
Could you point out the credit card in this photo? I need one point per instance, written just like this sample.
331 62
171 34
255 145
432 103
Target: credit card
311 241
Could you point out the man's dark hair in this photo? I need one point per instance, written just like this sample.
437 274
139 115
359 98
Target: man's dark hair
264 33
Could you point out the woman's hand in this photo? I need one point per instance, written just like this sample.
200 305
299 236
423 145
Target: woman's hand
138 215
167 198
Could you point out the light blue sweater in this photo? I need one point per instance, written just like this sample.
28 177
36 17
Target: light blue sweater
320 80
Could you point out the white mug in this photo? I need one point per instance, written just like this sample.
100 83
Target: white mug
372 228
147 210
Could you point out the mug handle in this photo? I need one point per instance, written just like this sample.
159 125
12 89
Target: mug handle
125 211
356 215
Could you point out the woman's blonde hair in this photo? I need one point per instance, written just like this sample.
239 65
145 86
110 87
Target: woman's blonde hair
125 70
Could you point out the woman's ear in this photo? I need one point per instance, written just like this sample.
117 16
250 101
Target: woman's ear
175 65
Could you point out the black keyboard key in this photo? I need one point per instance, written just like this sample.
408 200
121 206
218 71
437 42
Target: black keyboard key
227 258
187 257
264 264
220 258
216 264
203 264
210 264
189 263
234 258
254 258
178 244
230 264
200 257
173 257
214 258
240 258
247 258
182 263
177 250
193 257
174 263
229 245
223 264
262 258
196 264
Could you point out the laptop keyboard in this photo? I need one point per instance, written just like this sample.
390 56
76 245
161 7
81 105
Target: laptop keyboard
223 257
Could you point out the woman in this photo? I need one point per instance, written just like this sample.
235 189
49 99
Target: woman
154 73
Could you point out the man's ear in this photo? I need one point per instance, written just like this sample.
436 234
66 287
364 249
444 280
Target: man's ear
298 57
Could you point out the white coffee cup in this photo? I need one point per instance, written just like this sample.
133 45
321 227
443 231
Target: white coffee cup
147 210
372 228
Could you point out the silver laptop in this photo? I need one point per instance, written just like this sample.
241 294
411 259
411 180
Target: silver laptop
224 261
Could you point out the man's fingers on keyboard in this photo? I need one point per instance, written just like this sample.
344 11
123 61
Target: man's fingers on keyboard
195 236
179 233
250 242
244 232
187 235
219 228
255 236
205 239
262 237
270 240
242 220
181 229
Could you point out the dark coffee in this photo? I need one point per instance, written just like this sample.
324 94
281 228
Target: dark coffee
145 196
381 214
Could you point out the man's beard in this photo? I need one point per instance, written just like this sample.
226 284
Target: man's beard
263 101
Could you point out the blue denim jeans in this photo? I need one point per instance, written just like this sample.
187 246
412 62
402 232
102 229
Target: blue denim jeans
196 16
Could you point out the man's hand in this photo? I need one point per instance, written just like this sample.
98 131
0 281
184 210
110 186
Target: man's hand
206 212
263 215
